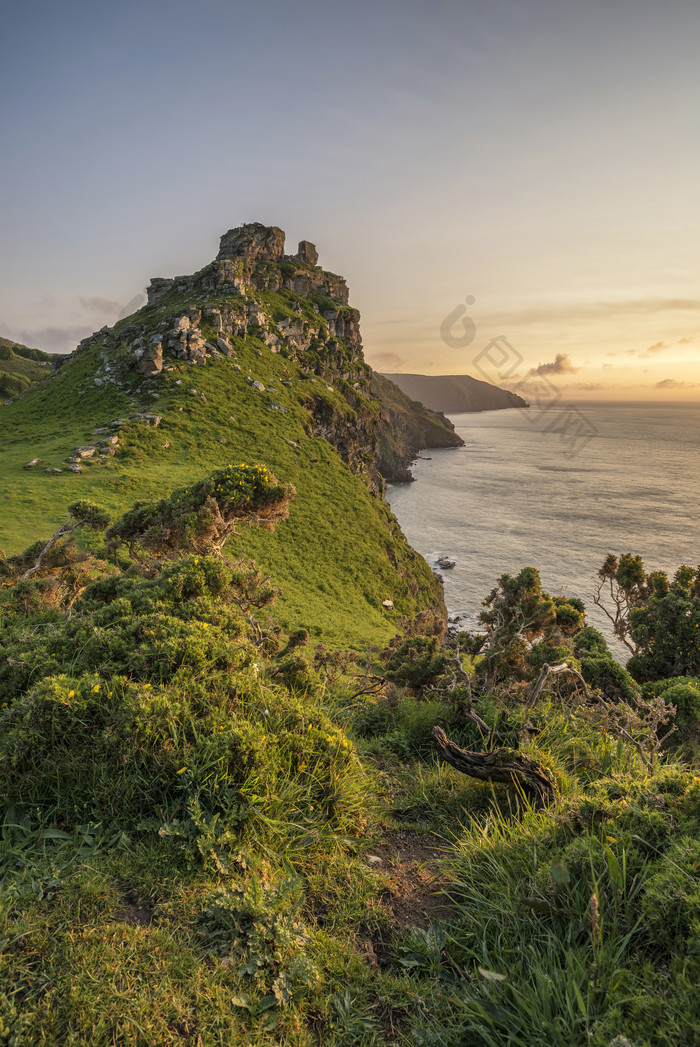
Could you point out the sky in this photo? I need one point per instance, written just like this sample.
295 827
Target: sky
510 187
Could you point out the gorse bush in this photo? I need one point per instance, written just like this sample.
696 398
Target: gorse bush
201 517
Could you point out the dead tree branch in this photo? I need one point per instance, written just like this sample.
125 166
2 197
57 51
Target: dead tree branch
500 765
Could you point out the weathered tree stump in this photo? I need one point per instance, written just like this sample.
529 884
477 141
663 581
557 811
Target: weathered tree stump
500 765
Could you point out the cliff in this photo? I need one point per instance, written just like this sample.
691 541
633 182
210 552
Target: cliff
455 393
406 428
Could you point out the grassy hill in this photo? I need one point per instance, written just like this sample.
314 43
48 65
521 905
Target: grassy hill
315 424
409 428
21 366
228 817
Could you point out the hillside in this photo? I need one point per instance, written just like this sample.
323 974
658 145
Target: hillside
21 366
276 804
455 393
407 427
257 357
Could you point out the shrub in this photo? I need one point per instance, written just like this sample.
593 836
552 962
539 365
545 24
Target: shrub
605 674
200 518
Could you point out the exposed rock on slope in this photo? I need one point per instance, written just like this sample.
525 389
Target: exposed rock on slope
455 393
299 311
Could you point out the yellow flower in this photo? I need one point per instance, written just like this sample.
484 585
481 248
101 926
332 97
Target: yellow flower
71 694
96 688
182 770
205 625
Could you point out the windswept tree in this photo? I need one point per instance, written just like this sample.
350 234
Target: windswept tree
665 628
519 614
81 514
201 517
624 585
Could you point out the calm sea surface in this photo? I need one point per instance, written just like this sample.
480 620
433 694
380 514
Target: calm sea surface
516 495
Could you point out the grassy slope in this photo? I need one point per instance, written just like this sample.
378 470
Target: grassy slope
21 366
185 855
337 557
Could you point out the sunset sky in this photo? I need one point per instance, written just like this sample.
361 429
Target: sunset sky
541 157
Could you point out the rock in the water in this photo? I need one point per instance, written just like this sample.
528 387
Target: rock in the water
445 563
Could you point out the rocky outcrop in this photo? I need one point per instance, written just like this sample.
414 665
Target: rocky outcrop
306 253
253 240
253 294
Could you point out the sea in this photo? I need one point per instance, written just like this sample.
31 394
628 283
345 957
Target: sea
556 489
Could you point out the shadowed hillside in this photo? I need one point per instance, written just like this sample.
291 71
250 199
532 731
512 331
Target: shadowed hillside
455 393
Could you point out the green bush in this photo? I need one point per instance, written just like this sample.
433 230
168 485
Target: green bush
684 693
416 663
607 676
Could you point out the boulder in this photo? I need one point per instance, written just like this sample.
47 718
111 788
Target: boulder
151 362
34 461
259 386
84 452
225 348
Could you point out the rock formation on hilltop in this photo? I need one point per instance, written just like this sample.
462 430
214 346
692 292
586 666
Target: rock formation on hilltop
255 293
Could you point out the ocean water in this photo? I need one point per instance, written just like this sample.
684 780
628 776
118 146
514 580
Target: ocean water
528 489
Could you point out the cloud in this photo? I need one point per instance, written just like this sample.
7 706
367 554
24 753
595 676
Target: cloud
391 362
588 387
684 341
99 305
657 347
582 311
561 364
50 339
671 383
642 354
